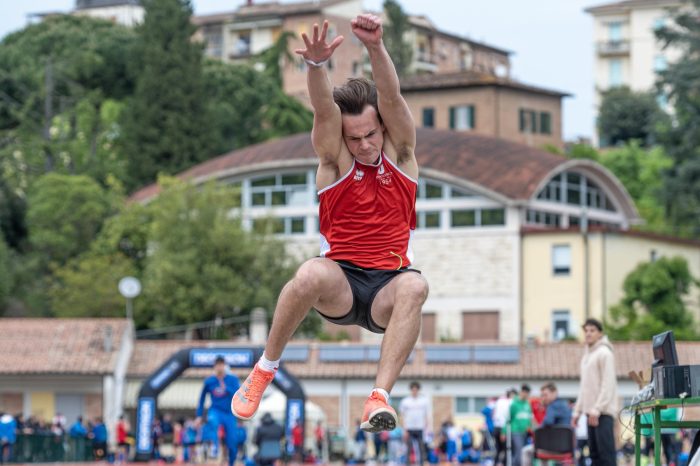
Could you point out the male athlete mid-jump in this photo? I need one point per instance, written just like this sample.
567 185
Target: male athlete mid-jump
365 138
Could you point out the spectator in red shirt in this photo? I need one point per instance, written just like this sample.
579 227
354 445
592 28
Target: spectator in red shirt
298 441
122 440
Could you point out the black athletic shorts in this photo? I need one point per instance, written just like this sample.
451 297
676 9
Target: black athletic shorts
365 284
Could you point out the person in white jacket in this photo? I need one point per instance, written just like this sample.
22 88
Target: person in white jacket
597 397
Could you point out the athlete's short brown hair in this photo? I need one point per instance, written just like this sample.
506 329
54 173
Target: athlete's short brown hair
353 96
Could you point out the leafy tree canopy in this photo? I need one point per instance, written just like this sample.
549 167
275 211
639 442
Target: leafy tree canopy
654 302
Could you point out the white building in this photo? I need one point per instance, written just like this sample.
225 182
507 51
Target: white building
627 52
126 12
475 196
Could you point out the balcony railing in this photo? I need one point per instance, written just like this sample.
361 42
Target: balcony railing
613 47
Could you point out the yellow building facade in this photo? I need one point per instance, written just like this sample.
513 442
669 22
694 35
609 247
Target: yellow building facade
569 276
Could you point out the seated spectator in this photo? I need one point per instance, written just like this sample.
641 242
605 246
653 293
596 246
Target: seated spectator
557 412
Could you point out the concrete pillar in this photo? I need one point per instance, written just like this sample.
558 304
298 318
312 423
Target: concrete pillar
258 326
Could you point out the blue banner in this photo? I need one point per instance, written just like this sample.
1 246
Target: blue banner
144 424
294 415
205 357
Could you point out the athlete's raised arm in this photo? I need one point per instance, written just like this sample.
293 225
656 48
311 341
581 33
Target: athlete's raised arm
327 131
395 113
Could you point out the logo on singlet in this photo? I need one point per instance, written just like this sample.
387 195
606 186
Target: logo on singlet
383 177
358 175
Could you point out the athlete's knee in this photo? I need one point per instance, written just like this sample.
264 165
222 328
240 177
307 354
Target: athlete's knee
309 277
414 287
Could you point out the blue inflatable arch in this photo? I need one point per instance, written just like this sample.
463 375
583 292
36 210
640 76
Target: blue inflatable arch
147 405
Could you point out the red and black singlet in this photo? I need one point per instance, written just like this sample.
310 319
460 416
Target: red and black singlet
368 216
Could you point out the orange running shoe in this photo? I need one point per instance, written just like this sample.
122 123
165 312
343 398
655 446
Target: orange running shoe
378 415
247 398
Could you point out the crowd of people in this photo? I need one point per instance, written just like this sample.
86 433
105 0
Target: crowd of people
36 439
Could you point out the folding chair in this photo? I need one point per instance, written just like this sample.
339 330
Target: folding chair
555 443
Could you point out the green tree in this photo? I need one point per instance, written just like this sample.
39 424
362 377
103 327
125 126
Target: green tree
582 151
6 279
65 214
203 263
167 126
13 229
273 57
625 115
395 30
87 286
285 115
248 107
640 171
653 302
61 61
680 82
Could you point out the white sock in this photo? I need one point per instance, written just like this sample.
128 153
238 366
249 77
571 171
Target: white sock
382 392
267 365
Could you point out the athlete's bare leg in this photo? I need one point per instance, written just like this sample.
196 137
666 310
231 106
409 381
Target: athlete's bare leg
397 307
318 283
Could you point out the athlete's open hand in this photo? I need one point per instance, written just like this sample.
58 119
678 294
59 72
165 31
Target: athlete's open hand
367 28
317 49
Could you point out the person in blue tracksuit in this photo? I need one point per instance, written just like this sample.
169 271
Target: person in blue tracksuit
220 387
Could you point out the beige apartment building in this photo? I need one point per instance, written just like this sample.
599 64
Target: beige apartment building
445 69
626 50
486 104
241 34
436 51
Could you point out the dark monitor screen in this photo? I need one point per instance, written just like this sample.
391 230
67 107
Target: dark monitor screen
664 346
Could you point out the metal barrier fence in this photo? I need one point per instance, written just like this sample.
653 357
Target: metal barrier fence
45 448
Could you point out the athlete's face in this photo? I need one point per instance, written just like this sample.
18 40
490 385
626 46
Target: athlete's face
364 135
220 369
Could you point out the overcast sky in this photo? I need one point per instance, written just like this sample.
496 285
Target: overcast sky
551 40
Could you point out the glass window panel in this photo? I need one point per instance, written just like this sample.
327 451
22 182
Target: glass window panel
574 221
258 199
279 197
561 259
454 192
463 404
428 117
297 196
297 225
264 181
573 196
432 220
479 403
463 218
615 72
493 217
294 179
545 123
573 179
560 325
433 191
609 205
615 31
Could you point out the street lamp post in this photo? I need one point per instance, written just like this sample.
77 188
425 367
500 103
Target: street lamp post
129 287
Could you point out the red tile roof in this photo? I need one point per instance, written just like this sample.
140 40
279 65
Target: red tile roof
511 170
59 346
556 361
466 79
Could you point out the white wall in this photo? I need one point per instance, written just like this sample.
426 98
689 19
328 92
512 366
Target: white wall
127 15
